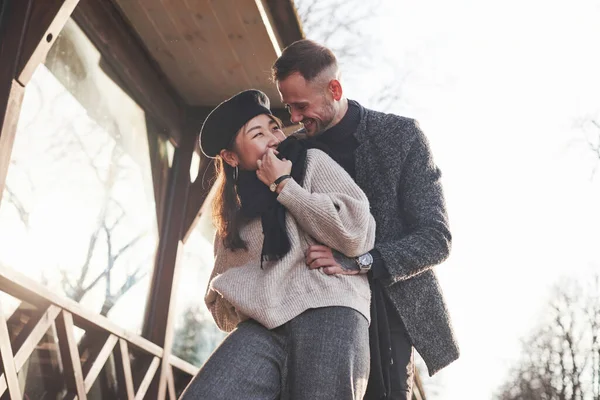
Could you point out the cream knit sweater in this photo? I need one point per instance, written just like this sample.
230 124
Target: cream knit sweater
329 209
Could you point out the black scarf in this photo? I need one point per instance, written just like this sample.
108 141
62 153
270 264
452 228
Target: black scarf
257 200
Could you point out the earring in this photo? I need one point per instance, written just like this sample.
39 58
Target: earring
235 174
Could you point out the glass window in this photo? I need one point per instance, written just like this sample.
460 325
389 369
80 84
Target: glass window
196 334
79 209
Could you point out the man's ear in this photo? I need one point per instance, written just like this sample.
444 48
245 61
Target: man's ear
229 157
335 88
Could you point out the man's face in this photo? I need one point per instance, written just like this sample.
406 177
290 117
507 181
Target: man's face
313 106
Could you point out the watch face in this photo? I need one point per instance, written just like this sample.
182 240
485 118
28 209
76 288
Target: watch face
365 259
273 187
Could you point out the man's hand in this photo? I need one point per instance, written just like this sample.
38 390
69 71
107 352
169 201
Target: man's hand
319 256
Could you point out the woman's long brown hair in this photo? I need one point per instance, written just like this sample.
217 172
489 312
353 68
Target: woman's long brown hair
226 207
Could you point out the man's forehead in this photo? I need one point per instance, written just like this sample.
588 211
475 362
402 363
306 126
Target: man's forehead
294 88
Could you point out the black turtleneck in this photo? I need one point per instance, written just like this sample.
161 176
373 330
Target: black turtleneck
340 141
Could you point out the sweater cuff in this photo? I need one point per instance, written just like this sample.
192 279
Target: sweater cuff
379 269
292 195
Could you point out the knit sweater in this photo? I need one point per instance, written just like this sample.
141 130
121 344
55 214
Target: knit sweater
329 208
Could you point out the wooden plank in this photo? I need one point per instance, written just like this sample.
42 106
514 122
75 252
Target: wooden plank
8 362
171 385
147 379
122 49
47 20
8 129
169 335
36 335
176 45
248 36
183 366
70 355
99 362
22 287
161 284
124 376
284 18
12 32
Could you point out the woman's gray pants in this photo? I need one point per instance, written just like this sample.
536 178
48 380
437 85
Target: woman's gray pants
321 354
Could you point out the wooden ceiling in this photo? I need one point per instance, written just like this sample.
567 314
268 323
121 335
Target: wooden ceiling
212 49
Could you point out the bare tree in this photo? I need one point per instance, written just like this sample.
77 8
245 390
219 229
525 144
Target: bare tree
197 336
561 359
341 26
593 140
68 144
110 217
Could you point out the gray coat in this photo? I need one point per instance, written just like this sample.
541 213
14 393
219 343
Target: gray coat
395 168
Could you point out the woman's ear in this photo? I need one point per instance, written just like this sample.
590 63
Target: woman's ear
229 157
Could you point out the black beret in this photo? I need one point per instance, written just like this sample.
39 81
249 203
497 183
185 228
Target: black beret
222 124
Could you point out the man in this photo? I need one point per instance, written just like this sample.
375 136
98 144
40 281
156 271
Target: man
390 159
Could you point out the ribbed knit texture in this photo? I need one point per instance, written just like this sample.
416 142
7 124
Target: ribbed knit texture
329 209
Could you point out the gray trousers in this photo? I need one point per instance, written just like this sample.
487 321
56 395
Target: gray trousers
321 354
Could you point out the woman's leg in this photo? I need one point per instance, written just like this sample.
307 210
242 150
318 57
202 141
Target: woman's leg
328 355
247 365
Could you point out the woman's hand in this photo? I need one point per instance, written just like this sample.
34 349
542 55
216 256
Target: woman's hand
270 168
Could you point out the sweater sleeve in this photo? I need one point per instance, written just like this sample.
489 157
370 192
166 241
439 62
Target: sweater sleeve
223 312
428 239
331 208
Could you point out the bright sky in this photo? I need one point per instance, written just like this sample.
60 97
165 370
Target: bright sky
502 90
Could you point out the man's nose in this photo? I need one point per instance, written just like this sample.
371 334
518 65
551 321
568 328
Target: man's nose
295 117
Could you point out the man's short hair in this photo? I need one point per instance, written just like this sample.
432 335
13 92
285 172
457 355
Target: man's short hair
306 57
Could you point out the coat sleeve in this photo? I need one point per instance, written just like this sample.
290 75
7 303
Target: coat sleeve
223 312
421 199
332 208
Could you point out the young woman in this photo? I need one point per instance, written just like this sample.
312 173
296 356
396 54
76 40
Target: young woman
296 332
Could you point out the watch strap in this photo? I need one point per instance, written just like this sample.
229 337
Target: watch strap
281 179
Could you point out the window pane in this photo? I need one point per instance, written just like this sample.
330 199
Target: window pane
78 213
196 334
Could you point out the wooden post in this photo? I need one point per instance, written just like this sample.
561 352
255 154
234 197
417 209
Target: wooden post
8 361
47 19
15 16
156 321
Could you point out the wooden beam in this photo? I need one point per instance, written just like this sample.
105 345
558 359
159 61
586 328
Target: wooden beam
147 379
161 285
285 21
166 366
8 129
15 16
171 384
99 362
69 354
47 19
25 288
184 366
8 362
124 376
125 53
36 335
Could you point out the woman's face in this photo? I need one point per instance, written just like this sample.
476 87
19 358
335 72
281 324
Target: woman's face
252 142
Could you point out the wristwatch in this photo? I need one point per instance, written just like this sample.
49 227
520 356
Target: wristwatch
273 186
365 262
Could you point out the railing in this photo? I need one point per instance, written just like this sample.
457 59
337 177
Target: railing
42 342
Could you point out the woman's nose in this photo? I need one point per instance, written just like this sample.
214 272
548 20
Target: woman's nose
274 141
